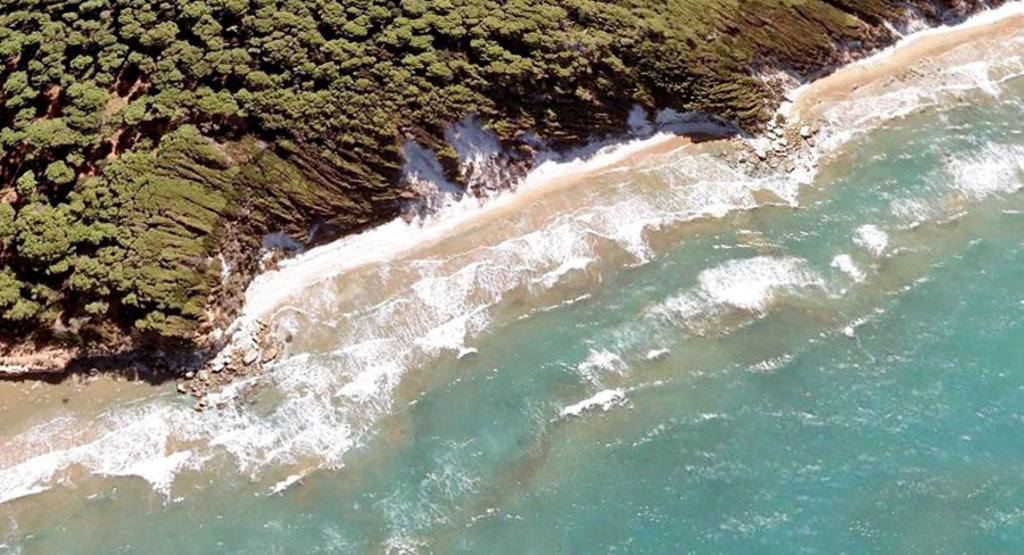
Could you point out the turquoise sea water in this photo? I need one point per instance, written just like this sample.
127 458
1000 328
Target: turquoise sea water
840 374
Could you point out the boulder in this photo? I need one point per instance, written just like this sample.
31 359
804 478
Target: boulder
250 357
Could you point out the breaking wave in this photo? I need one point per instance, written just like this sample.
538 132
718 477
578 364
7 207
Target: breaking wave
994 171
997 169
603 400
750 286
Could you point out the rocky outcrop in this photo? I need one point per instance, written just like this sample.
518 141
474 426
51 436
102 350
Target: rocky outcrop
238 360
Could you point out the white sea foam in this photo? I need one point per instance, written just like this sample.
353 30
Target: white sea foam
288 482
604 400
997 169
850 330
871 238
599 363
913 212
412 508
159 471
772 364
845 264
573 264
749 285
656 354
31 477
133 442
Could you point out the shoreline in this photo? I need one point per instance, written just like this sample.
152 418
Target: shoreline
791 149
397 237
299 396
268 291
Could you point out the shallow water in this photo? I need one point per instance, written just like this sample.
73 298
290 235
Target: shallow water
670 357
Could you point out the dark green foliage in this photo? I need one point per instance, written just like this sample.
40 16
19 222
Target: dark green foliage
134 132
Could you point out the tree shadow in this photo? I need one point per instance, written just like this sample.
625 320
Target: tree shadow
154 365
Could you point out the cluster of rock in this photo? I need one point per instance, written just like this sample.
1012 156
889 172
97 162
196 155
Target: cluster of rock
232 364
779 148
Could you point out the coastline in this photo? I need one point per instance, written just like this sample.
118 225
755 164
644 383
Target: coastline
791 148
399 237
266 293
306 404
805 106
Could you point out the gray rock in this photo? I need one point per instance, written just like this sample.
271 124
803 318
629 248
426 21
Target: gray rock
218 364
250 357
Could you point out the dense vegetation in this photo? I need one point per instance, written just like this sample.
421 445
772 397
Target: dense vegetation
135 135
